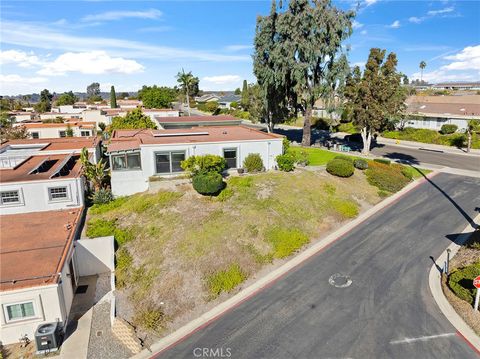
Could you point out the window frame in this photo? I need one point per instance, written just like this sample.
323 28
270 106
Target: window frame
236 156
169 153
125 156
64 133
19 195
85 131
33 134
62 199
7 317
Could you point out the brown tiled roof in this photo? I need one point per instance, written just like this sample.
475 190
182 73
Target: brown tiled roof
71 122
198 119
57 144
21 173
464 109
123 140
33 249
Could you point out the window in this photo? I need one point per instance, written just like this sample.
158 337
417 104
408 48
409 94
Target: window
62 133
169 162
35 135
230 155
57 193
10 197
85 133
130 161
20 311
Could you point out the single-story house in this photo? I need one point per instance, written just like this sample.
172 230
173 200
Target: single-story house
207 98
58 130
456 86
226 101
194 121
136 155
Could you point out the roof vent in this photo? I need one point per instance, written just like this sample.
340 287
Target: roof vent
224 132
68 227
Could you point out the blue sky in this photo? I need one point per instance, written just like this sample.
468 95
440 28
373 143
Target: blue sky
66 45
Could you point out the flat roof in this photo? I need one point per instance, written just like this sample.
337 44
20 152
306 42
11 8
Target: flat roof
69 122
198 119
33 249
56 144
124 140
454 109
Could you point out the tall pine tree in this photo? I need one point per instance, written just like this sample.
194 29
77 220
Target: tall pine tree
245 95
113 98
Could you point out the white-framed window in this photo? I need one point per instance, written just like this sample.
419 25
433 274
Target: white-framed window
126 161
230 155
35 134
62 133
85 133
57 193
169 162
10 197
19 311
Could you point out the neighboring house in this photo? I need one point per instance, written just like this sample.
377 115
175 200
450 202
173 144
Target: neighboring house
129 104
320 110
160 112
97 116
136 155
110 113
456 86
432 112
194 121
58 130
22 116
43 176
207 98
69 109
64 115
37 270
226 101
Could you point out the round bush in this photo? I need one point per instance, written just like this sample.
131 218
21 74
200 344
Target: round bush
102 196
340 167
208 183
253 163
448 129
286 162
360 163
345 158
386 178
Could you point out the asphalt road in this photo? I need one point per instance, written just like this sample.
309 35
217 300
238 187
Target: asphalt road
388 260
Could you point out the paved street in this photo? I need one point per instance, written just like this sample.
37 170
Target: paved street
388 259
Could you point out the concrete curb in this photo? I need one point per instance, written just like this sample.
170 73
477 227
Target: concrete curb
434 281
427 146
264 282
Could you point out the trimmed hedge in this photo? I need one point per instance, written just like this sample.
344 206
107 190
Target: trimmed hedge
209 183
286 162
448 129
460 281
385 177
340 167
360 163
253 163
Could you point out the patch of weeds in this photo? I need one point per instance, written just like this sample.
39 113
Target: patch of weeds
329 189
107 207
383 194
241 182
252 230
123 264
142 279
151 317
285 241
345 208
142 203
123 236
225 280
100 228
257 256
225 194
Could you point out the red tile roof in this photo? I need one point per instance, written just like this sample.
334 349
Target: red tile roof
57 144
33 249
123 140
72 123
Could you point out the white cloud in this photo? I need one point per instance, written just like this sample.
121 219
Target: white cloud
20 58
238 47
440 12
370 2
363 32
356 24
14 78
93 62
416 20
14 84
395 24
221 82
463 66
118 15
41 36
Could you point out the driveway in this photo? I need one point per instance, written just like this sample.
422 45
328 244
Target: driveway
386 312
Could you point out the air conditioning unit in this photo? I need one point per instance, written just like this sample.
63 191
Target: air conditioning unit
48 337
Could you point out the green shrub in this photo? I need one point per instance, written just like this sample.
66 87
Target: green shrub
348 127
460 282
286 162
225 280
448 129
225 194
360 163
345 158
301 157
385 177
123 236
208 183
100 228
457 140
285 241
285 144
340 167
382 160
150 317
253 162
205 163
102 196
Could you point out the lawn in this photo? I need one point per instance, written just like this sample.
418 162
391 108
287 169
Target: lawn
187 251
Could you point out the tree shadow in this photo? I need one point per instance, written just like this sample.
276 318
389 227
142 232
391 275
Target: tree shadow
402 158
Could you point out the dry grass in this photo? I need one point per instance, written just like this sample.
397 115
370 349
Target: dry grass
178 245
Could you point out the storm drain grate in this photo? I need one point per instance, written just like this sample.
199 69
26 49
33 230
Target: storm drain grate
340 280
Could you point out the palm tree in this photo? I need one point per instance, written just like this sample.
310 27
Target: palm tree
95 173
186 81
423 64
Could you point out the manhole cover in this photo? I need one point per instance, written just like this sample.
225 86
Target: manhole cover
340 280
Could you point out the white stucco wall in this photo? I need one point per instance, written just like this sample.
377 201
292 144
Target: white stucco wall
127 182
96 116
436 123
34 195
95 255
54 132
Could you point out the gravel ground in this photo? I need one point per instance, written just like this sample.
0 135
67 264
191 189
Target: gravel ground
106 345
